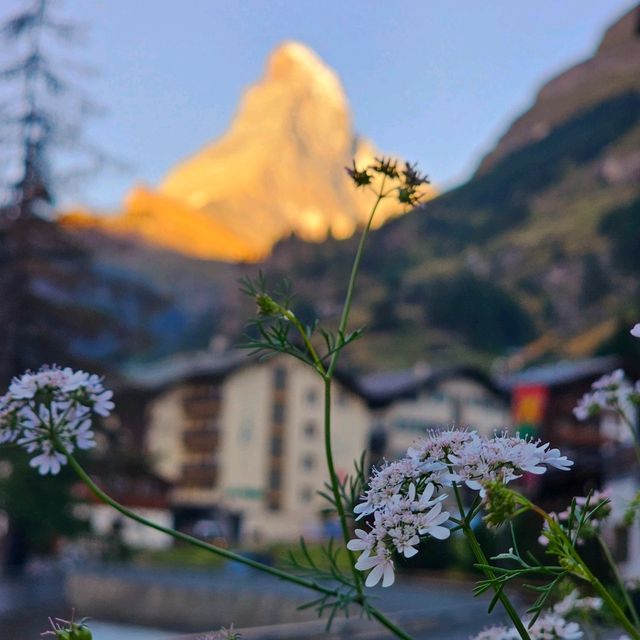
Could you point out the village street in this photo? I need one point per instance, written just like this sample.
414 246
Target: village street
427 607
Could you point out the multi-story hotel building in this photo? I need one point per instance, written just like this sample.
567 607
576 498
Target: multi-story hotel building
242 441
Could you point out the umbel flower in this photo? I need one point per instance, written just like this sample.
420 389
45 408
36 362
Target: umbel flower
405 185
50 410
550 626
405 497
613 392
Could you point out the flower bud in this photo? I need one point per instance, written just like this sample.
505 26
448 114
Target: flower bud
501 504
267 306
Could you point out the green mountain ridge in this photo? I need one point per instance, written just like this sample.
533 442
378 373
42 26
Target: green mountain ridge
536 255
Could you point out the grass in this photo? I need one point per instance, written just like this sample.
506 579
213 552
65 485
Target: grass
179 556
183 556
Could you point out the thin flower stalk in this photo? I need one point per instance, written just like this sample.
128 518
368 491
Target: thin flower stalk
224 553
619 581
484 562
581 570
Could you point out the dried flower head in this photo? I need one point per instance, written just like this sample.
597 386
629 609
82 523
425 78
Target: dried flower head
360 177
412 177
387 167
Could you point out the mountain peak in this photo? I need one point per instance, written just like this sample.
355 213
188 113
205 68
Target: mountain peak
294 62
622 32
278 170
613 69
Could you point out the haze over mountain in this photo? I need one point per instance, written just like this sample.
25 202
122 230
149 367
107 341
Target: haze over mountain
537 254
278 170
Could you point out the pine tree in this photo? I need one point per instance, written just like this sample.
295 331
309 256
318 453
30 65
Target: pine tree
48 282
39 266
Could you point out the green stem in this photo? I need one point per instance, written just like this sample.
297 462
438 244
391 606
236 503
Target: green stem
483 560
335 487
289 315
585 573
608 598
224 553
346 309
619 580
178 535
632 428
344 319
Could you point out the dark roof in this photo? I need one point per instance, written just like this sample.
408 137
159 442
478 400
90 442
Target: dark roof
561 372
381 389
154 376
158 375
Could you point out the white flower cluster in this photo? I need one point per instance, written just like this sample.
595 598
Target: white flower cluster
592 510
612 391
635 332
398 525
549 626
403 496
574 604
52 404
466 457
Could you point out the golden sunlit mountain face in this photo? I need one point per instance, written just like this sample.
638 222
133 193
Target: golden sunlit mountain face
278 170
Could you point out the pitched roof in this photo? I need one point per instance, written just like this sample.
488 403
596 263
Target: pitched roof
380 389
561 372
156 375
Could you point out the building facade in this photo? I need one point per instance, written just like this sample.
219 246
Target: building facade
242 443
406 404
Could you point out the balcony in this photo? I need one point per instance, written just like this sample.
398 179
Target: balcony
201 407
199 475
201 441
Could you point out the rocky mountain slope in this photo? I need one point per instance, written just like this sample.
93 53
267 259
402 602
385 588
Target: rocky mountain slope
538 254
278 170
541 248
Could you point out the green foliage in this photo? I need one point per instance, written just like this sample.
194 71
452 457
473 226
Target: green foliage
622 343
40 509
622 227
179 555
486 315
328 568
69 630
595 280
500 198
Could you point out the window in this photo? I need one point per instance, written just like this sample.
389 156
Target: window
308 461
273 501
306 494
312 396
280 378
274 479
278 412
310 430
276 446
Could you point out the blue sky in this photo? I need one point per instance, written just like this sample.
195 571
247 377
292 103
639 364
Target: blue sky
435 82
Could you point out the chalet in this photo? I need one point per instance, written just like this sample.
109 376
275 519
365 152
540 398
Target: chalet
405 404
241 441
543 399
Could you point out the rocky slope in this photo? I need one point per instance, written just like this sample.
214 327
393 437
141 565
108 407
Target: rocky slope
538 254
278 170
